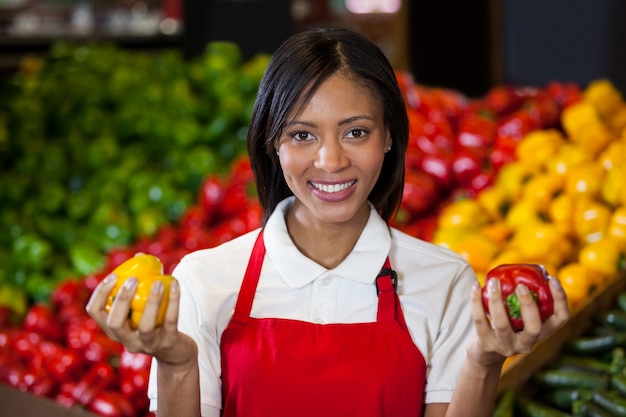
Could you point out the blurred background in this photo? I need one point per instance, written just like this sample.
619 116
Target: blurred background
123 129
467 45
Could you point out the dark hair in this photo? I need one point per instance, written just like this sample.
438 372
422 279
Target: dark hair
299 66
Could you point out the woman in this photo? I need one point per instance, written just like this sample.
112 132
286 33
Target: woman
326 311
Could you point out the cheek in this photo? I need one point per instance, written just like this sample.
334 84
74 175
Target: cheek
373 164
291 165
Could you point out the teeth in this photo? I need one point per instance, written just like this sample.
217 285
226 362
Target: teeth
333 188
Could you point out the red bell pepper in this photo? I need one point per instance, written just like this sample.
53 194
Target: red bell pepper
41 319
510 276
101 376
420 194
111 404
70 291
466 165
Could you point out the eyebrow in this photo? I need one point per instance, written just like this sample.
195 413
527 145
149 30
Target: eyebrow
346 121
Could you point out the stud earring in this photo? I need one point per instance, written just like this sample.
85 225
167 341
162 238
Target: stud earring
388 148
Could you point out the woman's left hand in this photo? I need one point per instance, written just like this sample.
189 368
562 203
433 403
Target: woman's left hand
496 339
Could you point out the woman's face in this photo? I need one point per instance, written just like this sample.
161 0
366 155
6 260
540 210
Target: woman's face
332 152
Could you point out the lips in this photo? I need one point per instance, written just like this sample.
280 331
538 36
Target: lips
334 187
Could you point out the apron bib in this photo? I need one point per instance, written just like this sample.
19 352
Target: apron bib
290 368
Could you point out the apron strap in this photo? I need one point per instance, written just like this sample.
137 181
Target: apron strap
250 279
389 308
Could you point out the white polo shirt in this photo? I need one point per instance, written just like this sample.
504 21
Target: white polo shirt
434 285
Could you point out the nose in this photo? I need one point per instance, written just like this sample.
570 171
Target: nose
331 156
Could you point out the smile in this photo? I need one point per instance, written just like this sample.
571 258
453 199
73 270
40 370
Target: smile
333 188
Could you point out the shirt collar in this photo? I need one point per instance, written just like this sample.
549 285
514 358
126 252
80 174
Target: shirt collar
362 265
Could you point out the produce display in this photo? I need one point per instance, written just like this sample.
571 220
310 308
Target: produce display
560 202
588 378
106 154
101 146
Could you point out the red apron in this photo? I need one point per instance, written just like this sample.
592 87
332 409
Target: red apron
287 368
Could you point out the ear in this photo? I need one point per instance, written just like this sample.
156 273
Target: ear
388 143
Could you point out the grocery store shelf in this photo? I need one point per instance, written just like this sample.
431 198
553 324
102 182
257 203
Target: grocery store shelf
17 403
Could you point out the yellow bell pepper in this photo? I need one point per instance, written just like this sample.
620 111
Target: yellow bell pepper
537 146
578 115
511 177
591 219
509 255
494 202
613 188
522 212
605 256
542 188
561 213
603 95
497 231
613 156
147 269
477 250
578 282
568 156
585 180
448 237
594 138
542 242
463 214
617 226
617 120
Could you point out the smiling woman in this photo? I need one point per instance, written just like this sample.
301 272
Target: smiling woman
332 299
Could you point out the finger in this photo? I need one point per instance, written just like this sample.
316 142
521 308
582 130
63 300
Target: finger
151 310
561 309
97 301
170 323
530 316
499 314
118 316
481 322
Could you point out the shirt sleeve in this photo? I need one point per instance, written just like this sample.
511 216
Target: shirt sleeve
450 345
192 322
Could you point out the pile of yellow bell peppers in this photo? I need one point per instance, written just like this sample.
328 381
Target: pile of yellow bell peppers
562 203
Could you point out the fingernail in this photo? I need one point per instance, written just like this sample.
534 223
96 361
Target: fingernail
130 283
109 279
555 282
476 287
494 285
157 288
521 290
174 286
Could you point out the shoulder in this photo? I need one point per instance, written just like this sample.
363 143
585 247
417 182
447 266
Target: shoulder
426 265
410 245
220 266
237 248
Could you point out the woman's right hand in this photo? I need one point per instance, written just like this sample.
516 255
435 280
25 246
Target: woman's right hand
164 342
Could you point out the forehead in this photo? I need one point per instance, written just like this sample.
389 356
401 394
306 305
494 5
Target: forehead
339 92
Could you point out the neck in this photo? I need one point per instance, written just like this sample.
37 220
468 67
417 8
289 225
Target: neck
328 244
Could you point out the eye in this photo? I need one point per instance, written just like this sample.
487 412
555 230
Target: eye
356 133
302 136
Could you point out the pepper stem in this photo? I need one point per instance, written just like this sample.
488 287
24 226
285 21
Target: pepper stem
513 303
